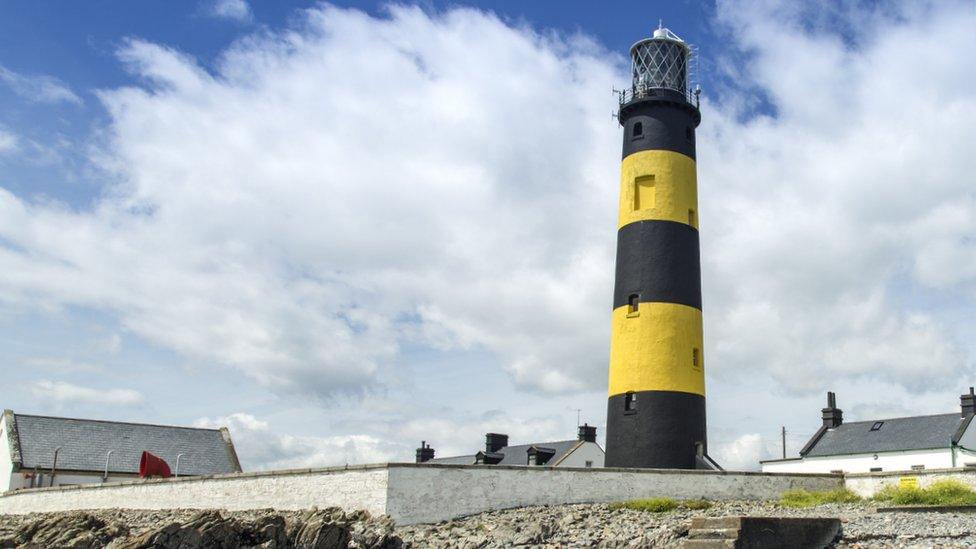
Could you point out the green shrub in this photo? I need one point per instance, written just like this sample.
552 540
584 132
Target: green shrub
651 505
696 504
805 498
662 505
942 492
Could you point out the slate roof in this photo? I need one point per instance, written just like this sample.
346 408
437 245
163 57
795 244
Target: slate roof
903 433
517 455
85 444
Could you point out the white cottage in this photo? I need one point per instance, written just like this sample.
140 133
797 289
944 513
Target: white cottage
897 444
39 451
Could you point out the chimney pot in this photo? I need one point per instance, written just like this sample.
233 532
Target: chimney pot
832 415
968 403
425 453
495 442
586 433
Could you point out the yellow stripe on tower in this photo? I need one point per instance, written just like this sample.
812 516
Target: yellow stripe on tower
658 184
657 348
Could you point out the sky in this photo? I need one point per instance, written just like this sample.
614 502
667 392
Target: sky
343 228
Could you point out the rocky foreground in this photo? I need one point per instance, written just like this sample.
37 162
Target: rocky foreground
539 527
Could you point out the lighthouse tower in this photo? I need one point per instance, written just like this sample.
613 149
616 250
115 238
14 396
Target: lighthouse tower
656 411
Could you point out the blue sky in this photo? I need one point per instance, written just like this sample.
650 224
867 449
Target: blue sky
342 228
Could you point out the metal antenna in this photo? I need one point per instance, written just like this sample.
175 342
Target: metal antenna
578 410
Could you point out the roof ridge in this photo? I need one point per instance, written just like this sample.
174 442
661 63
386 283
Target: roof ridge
118 422
900 417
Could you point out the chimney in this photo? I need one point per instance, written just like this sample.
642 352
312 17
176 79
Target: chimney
586 433
832 415
425 453
968 403
495 442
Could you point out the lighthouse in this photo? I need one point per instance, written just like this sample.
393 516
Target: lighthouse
656 408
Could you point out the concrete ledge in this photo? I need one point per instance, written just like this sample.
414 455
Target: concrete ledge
928 509
413 493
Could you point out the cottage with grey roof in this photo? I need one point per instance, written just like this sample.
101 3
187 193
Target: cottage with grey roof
38 451
940 441
583 451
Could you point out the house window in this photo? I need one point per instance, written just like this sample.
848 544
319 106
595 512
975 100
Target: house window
643 192
589 464
633 304
638 130
837 471
695 359
877 425
630 402
876 469
918 467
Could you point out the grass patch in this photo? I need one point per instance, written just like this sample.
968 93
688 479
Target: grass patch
942 492
804 498
661 505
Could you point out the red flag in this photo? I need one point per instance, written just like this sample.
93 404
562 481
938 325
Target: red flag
153 466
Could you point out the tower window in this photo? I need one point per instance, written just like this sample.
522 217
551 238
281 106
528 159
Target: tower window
695 358
630 402
638 130
643 192
692 220
688 135
633 303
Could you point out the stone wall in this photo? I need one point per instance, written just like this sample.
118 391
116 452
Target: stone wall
412 493
362 487
868 484
431 493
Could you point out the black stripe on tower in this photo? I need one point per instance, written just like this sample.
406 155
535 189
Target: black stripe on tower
659 261
666 122
660 431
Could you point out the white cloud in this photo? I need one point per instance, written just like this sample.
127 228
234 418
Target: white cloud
38 88
282 216
66 393
8 142
741 454
263 448
235 10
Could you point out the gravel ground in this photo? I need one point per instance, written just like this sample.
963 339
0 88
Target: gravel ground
600 526
580 526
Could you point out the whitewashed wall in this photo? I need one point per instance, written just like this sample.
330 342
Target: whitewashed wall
7 480
432 493
362 487
588 451
868 484
863 463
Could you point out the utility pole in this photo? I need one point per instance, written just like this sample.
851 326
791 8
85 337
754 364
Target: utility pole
783 434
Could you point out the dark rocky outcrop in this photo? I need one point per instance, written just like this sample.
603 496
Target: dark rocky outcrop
316 529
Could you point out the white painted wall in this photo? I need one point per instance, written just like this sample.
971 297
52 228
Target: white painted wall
354 488
432 493
863 463
6 464
868 484
588 451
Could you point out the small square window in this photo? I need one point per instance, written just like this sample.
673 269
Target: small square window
877 425
918 467
633 304
876 469
638 130
589 464
630 402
